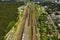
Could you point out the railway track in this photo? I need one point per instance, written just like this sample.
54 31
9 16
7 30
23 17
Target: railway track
27 27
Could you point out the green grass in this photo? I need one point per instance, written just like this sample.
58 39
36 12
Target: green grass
8 15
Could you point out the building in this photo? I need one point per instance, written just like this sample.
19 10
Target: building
6 0
27 0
